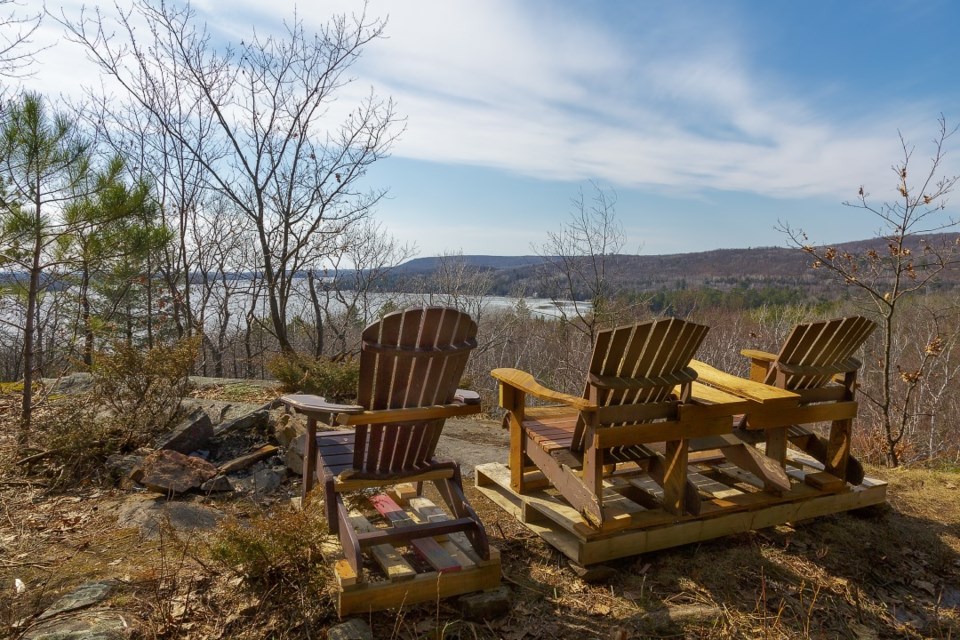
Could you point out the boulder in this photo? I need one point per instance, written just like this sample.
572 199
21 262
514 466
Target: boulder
192 434
80 382
149 513
86 625
295 452
352 629
220 484
288 429
263 482
254 420
80 598
171 472
122 466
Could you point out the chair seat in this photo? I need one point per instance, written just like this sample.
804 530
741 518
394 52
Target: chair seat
335 454
553 430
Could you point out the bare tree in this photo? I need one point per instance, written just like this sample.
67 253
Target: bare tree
455 283
579 261
260 109
349 291
16 53
887 279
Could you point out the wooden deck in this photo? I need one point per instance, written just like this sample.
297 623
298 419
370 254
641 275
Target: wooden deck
733 502
427 569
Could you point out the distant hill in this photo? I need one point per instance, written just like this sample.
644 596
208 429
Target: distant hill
429 265
721 268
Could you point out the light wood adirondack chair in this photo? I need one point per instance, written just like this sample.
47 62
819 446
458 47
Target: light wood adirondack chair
410 364
629 403
817 363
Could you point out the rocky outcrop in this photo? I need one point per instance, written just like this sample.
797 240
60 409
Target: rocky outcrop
170 472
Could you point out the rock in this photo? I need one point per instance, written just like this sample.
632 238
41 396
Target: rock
288 429
81 597
193 433
171 472
264 481
121 466
85 625
219 484
256 419
246 460
148 514
485 605
74 383
352 629
294 455
594 573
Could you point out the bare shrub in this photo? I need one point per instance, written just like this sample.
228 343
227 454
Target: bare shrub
336 381
280 556
144 388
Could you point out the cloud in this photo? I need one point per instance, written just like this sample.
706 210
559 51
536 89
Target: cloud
671 103
503 85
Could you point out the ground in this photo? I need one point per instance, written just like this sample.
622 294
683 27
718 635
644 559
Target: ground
885 573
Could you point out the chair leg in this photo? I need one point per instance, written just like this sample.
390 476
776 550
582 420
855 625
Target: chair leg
309 458
348 538
680 495
517 452
816 447
330 502
451 490
777 445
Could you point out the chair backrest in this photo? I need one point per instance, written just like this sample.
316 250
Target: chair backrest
826 345
641 364
411 358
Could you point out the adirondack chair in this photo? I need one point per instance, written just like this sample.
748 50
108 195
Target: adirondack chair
628 404
816 362
410 364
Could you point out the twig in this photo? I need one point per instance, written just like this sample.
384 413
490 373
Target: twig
523 586
37 456
8 565
23 483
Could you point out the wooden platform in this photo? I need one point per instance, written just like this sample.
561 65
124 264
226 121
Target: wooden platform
732 503
430 568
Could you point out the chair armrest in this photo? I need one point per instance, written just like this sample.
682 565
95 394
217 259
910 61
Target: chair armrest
523 381
754 354
758 392
410 414
305 403
760 363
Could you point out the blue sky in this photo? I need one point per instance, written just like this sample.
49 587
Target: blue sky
710 120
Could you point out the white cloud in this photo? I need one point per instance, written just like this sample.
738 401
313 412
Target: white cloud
535 89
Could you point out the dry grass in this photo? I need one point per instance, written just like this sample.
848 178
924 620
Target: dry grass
886 573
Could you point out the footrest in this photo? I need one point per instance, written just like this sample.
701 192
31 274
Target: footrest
426 569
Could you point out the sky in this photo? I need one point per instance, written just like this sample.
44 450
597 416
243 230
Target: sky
711 122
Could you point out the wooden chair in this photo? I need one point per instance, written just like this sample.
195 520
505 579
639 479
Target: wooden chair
410 364
637 393
816 362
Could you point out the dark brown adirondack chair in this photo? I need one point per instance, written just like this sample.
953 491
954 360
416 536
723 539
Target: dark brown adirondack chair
816 362
637 393
410 364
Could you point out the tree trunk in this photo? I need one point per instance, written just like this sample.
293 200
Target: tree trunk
318 314
85 317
